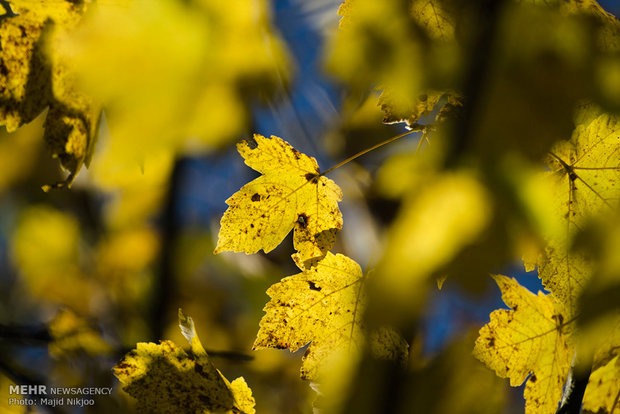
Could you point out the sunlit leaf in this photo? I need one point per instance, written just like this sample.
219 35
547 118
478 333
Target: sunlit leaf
586 178
530 341
323 307
290 194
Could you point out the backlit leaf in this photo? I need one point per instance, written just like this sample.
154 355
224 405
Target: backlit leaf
290 194
586 178
323 307
531 339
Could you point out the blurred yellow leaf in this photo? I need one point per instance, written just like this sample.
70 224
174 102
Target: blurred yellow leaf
412 110
384 33
173 76
70 333
435 223
46 246
531 338
33 77
166 379
602 395
290 193
18 151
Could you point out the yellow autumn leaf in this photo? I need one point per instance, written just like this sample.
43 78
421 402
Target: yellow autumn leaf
586 180
33 78
43 260
71 333
291 193
532 339
602 395
173 76
166 379
436 222
323 306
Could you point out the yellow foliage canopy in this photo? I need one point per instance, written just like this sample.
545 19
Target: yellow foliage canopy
166 379
291 193
532 338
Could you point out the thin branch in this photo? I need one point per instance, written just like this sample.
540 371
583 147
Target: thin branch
39 333
367 150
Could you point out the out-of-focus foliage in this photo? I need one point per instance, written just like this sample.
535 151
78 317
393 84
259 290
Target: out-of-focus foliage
448 213
35 77
71 334
602 395
166 379
25 142
46 249
173 75
291 193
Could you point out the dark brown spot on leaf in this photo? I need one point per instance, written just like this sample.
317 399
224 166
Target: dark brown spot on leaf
313 178
302 219
256 197
313 286
533 378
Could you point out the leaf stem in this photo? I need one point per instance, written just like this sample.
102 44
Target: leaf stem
367 150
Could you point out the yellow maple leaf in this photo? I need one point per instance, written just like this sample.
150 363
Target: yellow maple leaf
586 180
290 193
33 77
532 338
166 379
602 395
322 305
